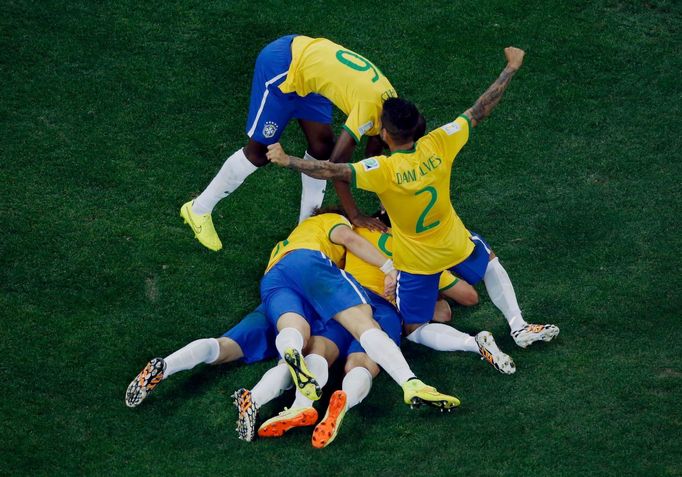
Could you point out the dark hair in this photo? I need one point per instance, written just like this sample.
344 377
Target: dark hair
400 118
420 129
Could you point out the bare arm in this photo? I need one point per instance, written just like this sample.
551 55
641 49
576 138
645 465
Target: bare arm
316 169
364 249
488 100
343 152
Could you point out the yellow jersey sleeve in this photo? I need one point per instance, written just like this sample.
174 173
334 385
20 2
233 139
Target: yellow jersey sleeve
447 280
363 120
449 139
371 174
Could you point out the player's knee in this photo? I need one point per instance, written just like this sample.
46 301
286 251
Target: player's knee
469 298
229 350
256 153
361 360
321 149
442 313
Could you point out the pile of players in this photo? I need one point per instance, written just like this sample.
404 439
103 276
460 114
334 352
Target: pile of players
342 285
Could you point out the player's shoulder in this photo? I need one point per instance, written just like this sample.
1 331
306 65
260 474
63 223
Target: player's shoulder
460 124
371 163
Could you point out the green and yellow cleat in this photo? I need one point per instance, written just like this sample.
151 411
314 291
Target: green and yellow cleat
326 430
202 226
416 393
286 420
303 378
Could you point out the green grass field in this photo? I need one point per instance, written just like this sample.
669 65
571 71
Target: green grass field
112 114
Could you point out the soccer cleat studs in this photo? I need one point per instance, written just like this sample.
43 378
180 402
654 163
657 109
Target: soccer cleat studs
145 382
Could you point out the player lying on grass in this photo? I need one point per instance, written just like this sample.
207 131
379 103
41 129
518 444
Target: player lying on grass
304 269
297 77
333 342
413 184
251 340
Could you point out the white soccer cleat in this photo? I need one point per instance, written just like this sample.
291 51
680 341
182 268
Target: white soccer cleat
531 333
145 382
492 354
248 413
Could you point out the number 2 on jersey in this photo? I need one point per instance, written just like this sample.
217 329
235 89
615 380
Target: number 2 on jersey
420 221
362 65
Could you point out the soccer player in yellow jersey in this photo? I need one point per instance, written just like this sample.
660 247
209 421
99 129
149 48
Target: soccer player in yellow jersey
303 276
413 184
297 77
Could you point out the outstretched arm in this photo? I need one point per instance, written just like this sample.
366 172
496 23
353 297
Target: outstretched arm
488 100
316 169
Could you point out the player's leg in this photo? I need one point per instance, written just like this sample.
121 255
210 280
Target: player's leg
273 383
252 340
206 350
315 115
269 113
381 349
441 337
320 354
360 370
482 264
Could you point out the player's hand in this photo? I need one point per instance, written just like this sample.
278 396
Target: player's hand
277 155
370 223
514 56
390 283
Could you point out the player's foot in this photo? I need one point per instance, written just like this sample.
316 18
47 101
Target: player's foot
202 226
303 378
416 393
531 333
492 354
248 412
288 419
326 430
145 382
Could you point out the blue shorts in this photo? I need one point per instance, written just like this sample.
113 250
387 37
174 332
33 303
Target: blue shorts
384 313
270 110
472 269
416 296
255 335
307 278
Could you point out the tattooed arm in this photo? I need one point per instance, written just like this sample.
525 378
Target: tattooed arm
316 169
488 100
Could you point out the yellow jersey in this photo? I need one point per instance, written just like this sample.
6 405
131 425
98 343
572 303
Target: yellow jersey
414 187
312 234
372 277
348 80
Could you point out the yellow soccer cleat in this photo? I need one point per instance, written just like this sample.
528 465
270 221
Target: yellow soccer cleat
286 420
416 393
326 430
202 226
303 378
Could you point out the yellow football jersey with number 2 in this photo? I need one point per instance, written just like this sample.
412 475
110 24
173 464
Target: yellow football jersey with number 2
414 187
347 79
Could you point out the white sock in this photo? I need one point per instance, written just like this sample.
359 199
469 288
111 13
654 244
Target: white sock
356 384
312 192
204 350
288 338
273 383
383 351
443 338
318 366
502 294
235 169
